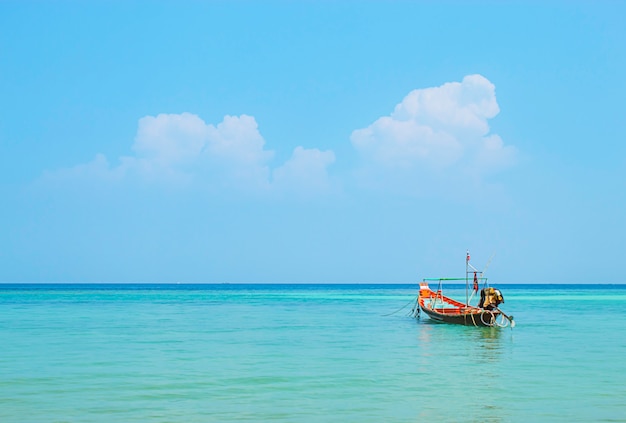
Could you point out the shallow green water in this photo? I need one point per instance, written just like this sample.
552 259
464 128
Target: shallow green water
298 353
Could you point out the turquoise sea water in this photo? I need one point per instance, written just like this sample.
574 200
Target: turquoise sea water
306 353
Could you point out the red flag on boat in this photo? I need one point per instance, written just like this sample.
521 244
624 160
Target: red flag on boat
468 257
475 282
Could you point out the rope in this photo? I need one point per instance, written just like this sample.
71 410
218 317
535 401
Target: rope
415 311
473 321
504 320
482 318
401 308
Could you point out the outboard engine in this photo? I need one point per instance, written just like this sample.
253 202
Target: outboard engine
490 298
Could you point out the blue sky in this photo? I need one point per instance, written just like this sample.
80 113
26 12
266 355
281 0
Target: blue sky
312 141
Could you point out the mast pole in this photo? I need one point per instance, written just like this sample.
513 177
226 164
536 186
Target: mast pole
467 259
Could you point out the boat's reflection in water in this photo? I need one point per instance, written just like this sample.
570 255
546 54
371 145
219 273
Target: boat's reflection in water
489 346
485 343
467 369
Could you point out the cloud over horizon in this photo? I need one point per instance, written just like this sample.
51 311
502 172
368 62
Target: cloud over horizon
440 129
432 136
183 149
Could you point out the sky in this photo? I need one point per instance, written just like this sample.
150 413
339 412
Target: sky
312 141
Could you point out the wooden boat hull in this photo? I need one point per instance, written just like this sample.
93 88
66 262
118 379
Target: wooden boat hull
447 310
483 318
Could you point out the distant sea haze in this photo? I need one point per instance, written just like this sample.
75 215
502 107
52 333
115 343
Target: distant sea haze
305 353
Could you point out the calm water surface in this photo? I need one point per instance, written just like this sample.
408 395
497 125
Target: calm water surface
306 353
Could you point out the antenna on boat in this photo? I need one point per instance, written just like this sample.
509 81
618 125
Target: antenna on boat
482 274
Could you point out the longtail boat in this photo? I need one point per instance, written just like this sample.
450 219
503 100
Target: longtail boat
447 310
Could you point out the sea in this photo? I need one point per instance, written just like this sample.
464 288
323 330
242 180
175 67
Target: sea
306 353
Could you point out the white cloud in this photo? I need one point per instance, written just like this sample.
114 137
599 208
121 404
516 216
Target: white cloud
435 137
171 145
98 168
306 170
440 128
237 139
169 139
235 148
182 148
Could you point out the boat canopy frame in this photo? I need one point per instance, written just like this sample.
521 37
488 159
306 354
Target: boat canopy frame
468 298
